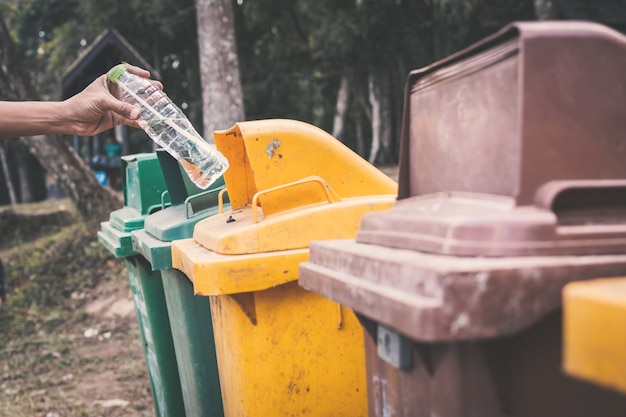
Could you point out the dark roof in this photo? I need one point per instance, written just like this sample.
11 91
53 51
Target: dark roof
107 50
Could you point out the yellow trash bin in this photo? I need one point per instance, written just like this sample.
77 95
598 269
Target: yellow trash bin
282 350
594 340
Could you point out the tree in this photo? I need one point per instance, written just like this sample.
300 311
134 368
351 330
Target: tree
93 201
328 62
50 34
338 64
222 95
546 9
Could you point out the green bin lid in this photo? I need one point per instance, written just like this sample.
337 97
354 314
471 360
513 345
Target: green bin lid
143 187
143 183
178 222
126 219
190 204
116 241
156 251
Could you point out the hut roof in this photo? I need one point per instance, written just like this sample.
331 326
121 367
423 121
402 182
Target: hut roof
107 50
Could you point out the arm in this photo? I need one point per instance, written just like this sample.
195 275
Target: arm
92 111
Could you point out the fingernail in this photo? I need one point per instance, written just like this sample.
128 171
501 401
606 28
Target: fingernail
134 113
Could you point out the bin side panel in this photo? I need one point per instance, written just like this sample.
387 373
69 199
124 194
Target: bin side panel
517 376
295 358
192 331
149 299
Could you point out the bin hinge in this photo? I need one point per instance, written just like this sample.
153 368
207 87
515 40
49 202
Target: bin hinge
339 317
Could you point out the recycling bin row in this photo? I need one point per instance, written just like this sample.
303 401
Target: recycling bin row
226 328
309 283
161 204
510 204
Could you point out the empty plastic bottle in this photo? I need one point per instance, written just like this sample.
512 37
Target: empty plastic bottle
168 126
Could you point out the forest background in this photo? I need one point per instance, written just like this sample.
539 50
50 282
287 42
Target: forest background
338 64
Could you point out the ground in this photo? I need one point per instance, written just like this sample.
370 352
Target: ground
70 344
70 340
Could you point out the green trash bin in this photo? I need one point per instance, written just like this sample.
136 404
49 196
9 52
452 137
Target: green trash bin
189 316
143 187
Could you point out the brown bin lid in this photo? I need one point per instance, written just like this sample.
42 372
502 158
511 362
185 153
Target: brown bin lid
533 115
567 218
431 297
536 102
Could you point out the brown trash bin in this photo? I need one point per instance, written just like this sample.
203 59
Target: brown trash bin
512 184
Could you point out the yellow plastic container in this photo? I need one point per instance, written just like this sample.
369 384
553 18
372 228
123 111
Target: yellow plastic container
282 350
594 331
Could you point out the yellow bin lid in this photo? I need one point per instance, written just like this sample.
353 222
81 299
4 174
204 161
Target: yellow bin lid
264 154
228 257
288 183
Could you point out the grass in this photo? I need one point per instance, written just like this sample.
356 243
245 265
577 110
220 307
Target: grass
48 367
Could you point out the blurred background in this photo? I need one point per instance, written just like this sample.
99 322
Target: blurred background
70 343
338 64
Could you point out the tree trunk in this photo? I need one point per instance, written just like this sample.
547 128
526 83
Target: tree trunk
386 117
222 97
360 138
7 176
23 178
374 100
444 38
546 9
343 99
93 201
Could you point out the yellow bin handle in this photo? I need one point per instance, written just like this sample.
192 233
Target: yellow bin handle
331 195
220 200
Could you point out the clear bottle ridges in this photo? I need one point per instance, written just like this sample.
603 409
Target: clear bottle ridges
168 126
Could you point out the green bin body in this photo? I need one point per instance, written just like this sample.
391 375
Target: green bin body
189 316
143 187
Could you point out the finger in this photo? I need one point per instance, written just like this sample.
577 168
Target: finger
137 70
122 108
129 111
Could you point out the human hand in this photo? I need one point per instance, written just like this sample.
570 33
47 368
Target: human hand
96 109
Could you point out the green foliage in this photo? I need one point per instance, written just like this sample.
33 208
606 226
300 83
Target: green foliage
51 34
292 53
35 24
164 32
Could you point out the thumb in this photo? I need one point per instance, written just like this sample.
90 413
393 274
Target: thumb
124 109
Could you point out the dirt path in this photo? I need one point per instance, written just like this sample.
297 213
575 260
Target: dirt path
94 367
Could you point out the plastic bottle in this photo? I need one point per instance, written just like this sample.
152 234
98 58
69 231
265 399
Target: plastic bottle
168 126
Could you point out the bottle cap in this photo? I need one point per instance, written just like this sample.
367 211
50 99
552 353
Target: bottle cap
116 72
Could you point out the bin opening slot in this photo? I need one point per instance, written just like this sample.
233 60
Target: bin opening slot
203 201
154 208
173 177
590 206
265 154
